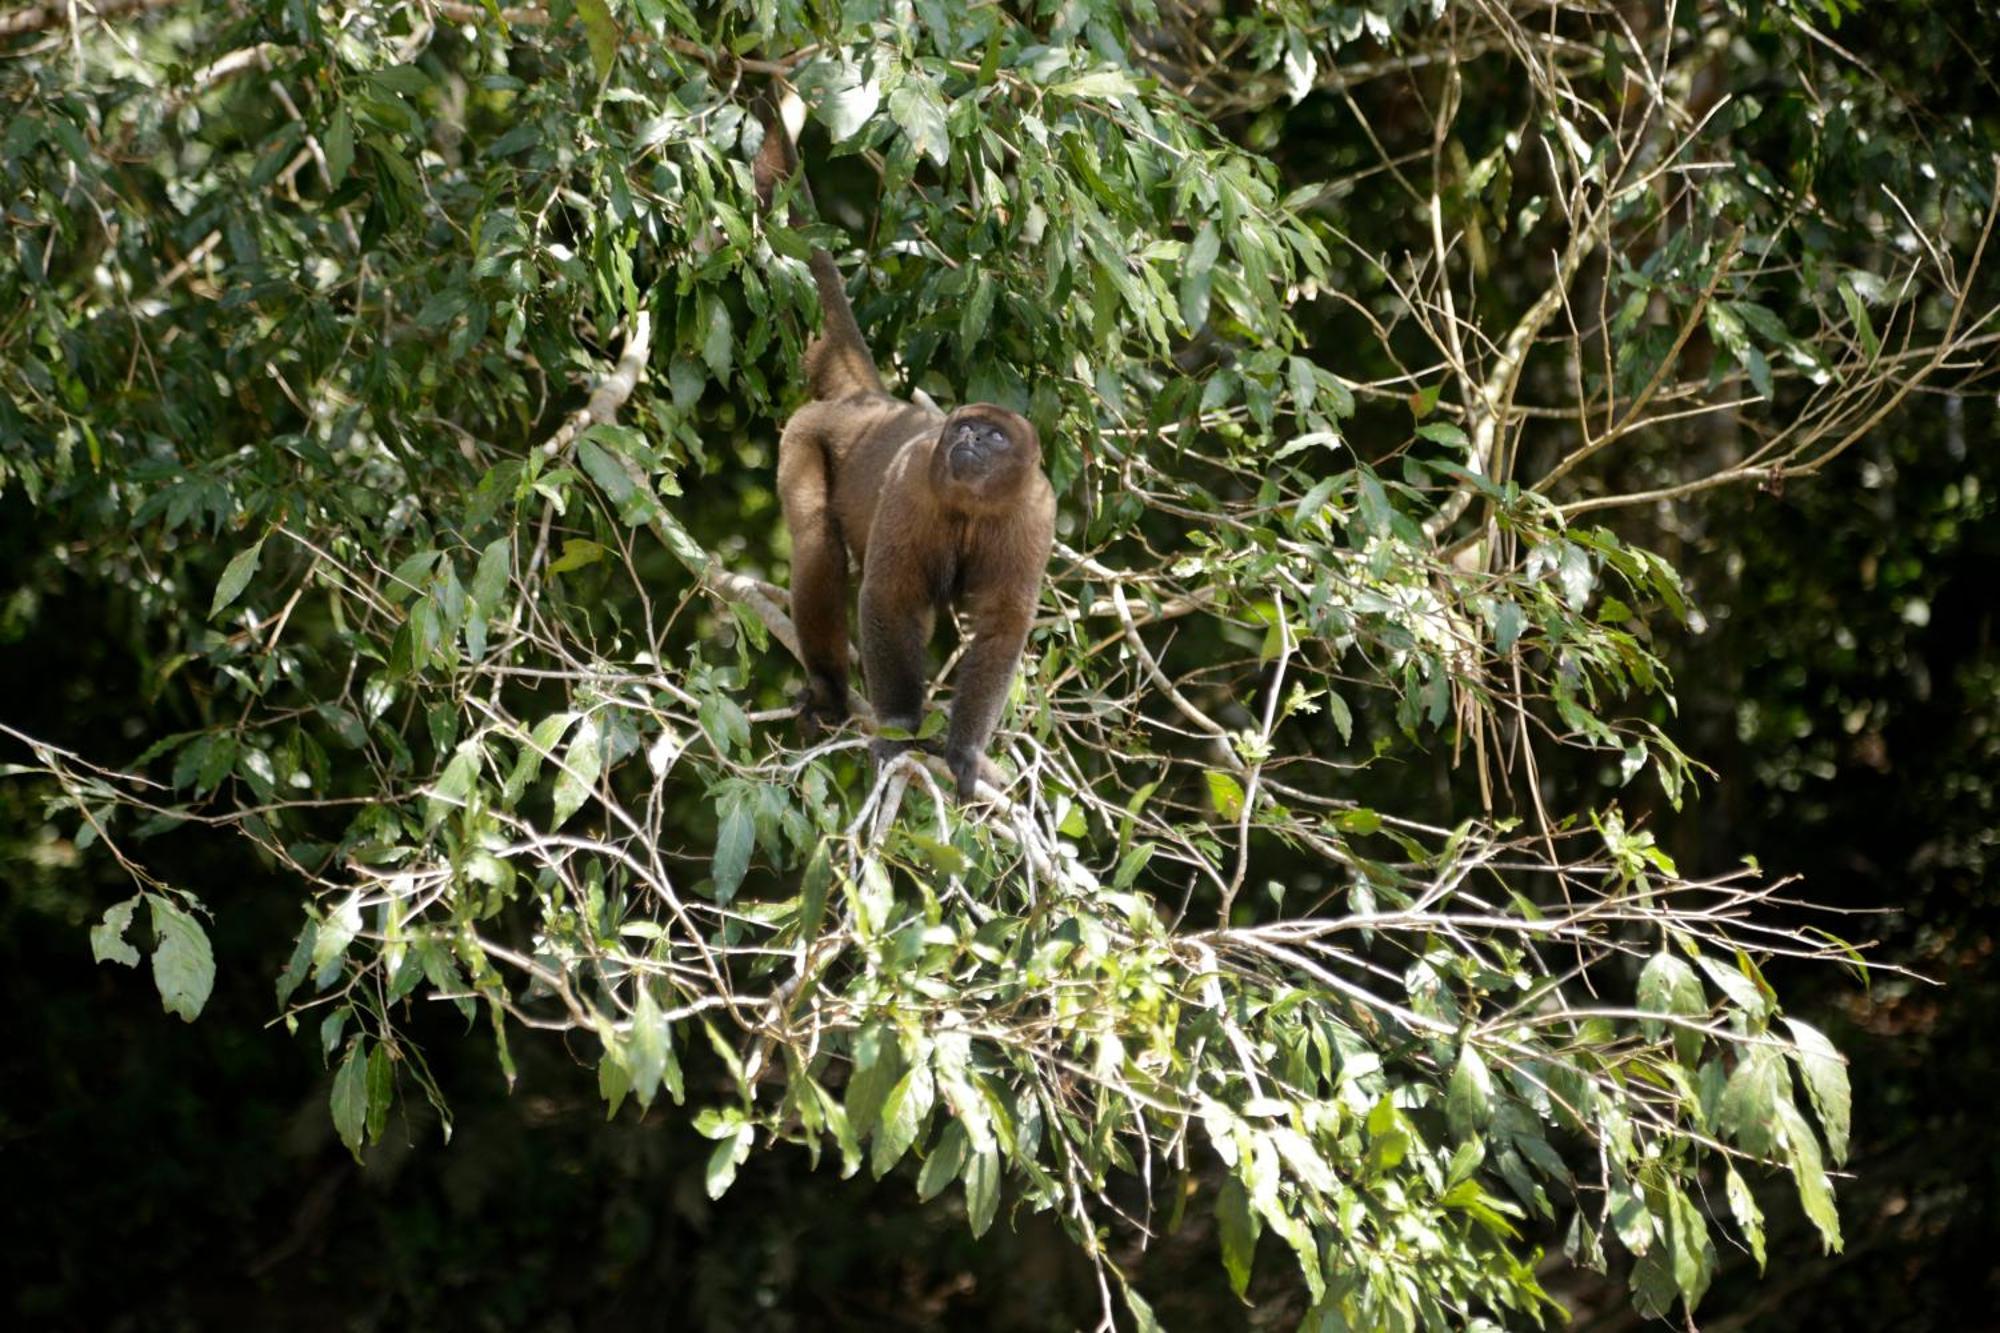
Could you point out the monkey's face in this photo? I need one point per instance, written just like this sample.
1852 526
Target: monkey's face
984 452
973 446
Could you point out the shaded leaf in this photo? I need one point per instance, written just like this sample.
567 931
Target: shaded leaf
350 1097
236 576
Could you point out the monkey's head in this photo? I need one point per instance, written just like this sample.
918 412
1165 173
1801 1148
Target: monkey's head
984 455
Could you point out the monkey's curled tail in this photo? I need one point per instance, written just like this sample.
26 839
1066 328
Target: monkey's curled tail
838 363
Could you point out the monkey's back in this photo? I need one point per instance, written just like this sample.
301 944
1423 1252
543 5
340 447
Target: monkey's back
871 442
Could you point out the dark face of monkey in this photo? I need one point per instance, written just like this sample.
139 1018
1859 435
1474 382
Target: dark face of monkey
982 453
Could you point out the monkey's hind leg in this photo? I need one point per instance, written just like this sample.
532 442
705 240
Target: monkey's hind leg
819 577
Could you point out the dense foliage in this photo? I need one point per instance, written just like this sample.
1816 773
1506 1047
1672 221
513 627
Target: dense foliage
403 378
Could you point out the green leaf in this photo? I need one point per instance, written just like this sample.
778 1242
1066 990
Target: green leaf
107 938
183 964
1469 1098
918 112
1741 990
1343 717
903 1113
1809 1172
1857 310
650 1043
1195 276
602 33
733 842
1101 84
236 576
1238 1227
1360 820
982 1189
872 898
947 859
1752 1099
729 1154
1630 1220
1668 985
877 1064
1445 433
1749 1217
614 1080
300 965
338 145
813 887
849 106
548 733
582 763
577 553
718 344
1143 1318
972 324
489 581
944 1163
454 787
1226 794
350 1096
381 1090
1693 1256
1825 1074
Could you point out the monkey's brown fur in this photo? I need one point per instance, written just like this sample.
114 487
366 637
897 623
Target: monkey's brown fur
938 512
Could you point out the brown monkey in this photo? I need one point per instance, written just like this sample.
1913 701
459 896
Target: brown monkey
938 511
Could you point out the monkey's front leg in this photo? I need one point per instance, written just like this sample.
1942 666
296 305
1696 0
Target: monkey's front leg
999 634
896 620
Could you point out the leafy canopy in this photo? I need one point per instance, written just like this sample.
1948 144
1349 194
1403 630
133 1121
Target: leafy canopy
414 370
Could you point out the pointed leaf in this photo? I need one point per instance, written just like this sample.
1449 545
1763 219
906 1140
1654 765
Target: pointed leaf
582 764
909 1102
1469 1099
1238 1227
236 576
733 843
1825 1073
982 1189
350 1097
1669 986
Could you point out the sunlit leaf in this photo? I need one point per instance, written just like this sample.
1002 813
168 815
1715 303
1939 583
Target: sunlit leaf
183 963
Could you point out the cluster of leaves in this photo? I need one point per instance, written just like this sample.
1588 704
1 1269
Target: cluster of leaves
305 355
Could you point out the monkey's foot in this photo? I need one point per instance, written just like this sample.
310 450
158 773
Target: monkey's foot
818 715
971 769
